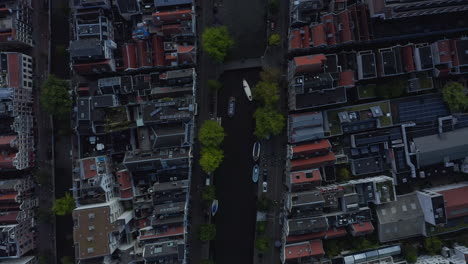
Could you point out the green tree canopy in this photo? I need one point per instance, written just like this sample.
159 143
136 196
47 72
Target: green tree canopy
344 174
410 253
454 95
55 98
64 205
263 203
261 227
266 92
67 260
211 134
268 121
433 245
214 85
274 40
216 42
209 193
207 232
262 244
211 158
270 75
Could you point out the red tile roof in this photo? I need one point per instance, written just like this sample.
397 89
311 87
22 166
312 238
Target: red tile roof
93 67
314 162
129 56
171 17
310 63
306 249
295 42
456 202
5 141
8 196
144 54
6 36
173 231
306 237
453 47
126 194
125 179
408 59
14 70
345 33
335 232
158 51
169 30
444 51
363 25
323 144
363 228
143 222
6 161
300 177
346 78
89 167
319 37
9 218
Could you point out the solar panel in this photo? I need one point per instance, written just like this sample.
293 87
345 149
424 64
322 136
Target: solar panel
422 110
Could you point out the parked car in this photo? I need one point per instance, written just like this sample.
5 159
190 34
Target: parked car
264 186
231 106
265 174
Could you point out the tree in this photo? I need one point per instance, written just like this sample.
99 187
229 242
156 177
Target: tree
273 5
274 40
433 245
210 159
214 85
266 92
332 247
55 98
344 174
207 232
262 244
268 121
45 257
454 95
211 134
64 205
207 261
216 42
67 260
270 75
263 203
209 193
261 227
410 253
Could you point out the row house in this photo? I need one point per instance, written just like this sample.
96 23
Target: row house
16 111
16 23
17 204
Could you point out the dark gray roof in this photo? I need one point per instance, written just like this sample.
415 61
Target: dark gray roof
108 100
462 48
307 225
128 6
400 219
305 198
86 48
366 65
161 3
84 108
435 148
304 127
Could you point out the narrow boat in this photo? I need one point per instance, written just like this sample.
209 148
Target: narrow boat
256 151
247 89
255 173
214 207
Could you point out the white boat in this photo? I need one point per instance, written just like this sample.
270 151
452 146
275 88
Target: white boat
247 89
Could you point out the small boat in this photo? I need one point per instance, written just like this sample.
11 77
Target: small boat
256 151
247 89
214 207
255 173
